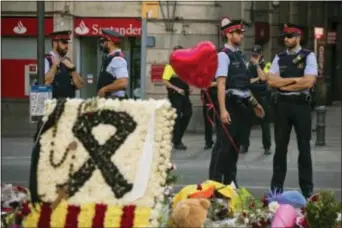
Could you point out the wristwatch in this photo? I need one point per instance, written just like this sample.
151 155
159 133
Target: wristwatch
253 101
72 69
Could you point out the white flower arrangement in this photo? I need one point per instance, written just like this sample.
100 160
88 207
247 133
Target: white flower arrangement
143 158
273 206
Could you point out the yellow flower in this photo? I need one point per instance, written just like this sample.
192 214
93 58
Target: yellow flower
113 216
59 214
32 219
142 216
85 218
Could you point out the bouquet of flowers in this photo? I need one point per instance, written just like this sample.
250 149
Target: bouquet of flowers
168 193
322 210
257 214
12 204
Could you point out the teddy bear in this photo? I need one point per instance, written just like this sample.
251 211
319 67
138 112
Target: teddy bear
190 212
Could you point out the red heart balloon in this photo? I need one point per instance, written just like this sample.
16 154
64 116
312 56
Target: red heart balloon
196 66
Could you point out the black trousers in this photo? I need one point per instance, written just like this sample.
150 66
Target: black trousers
223 165
208 114
183 107
288 114
264 123
215 152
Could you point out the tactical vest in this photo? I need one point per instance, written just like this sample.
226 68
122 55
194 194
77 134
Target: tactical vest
62 84
106 78
237 71
292 65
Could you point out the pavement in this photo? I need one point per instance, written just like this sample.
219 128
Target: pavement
254 168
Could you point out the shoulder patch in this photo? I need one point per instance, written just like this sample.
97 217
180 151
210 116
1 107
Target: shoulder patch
305 52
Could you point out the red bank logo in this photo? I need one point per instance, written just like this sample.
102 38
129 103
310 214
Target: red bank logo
95 29
82 29
20 28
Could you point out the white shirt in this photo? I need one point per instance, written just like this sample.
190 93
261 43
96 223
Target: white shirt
46 62
118 69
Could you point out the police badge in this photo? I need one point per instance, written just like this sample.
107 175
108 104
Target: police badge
300 66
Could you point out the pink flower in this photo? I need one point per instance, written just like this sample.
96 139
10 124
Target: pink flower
302 223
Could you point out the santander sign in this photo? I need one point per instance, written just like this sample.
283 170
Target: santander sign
93 26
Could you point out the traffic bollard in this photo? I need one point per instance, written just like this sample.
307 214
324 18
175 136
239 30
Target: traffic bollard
320 125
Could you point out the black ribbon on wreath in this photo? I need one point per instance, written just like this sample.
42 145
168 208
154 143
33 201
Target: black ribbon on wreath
100 155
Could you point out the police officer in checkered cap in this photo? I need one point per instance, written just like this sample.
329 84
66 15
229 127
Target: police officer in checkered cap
233 97
60 72
292 74
113 78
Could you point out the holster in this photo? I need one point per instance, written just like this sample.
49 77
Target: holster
243 102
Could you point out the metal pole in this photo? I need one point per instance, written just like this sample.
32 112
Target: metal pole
143 58
41 41
320 125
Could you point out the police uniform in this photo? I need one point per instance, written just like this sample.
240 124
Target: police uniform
261 93
208 114
293 109
62 84
182 104
231 65
114 66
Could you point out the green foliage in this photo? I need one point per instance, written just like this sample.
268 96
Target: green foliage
322 210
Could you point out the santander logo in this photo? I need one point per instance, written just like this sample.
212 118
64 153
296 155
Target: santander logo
82 29
94 29
20 28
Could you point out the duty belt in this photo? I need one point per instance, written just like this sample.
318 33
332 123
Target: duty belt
298 99
242 101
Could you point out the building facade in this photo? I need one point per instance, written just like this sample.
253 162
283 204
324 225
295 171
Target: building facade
178 23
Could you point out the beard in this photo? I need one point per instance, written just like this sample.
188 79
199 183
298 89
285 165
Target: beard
290 45
105 50
62 52
236 43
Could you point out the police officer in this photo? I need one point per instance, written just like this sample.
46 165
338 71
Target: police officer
60 72
233 98
178 93
293 73
208 113
113 78
258 68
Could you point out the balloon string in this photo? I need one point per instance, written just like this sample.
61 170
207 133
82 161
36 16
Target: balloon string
210 106
223 125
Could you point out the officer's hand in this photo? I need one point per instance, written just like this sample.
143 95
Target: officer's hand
55 60
259 111
225 117
180 91
297 79
68 64
102 92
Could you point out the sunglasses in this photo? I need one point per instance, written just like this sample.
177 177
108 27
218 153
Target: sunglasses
289 35
102 40
255 54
